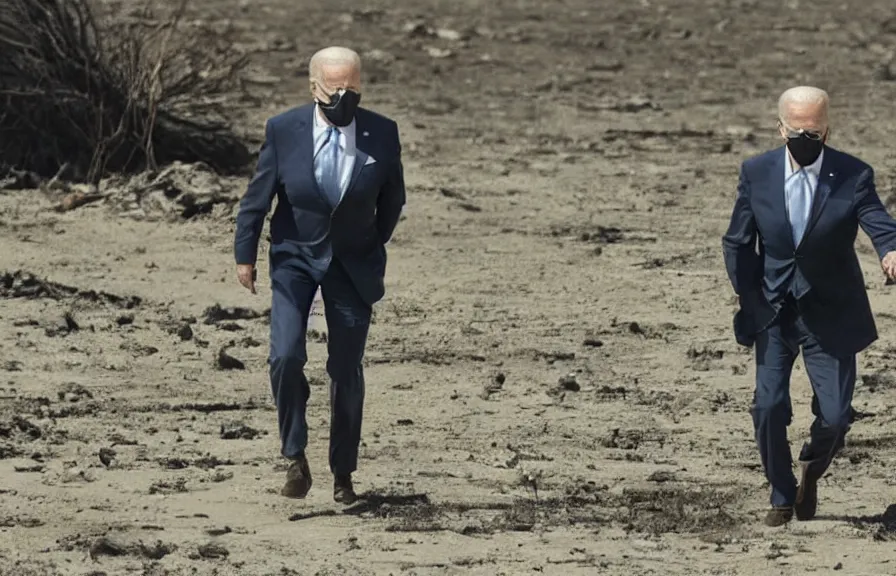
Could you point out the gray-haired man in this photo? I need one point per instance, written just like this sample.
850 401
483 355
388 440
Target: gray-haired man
790 255
336 172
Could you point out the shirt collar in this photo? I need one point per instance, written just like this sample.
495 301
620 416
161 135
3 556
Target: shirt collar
813 168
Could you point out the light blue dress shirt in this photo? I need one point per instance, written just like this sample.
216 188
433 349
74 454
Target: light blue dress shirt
799 193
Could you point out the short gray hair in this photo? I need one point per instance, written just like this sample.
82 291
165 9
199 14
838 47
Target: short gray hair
802 95
333 55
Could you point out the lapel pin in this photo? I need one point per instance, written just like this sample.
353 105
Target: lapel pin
366 134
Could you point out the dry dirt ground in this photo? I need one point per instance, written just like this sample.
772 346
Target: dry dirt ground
553 387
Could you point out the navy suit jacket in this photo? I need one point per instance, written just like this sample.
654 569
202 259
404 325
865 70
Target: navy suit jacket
762 260
306 229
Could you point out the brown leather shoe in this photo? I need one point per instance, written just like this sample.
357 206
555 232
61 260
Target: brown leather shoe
343 491
298 479
806 504
779 516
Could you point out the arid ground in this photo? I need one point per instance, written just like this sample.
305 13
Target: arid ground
553 387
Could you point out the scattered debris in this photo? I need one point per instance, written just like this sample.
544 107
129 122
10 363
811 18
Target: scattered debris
107 456
570 382
72 392
225 361
177 192
217 313
21 284
661 476
496 385
118 545
238 431
213 551
165 487
77 199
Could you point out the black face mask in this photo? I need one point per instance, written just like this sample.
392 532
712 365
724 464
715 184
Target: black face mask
341 109
804 150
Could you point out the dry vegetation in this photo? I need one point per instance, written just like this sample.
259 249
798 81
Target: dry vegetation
86 94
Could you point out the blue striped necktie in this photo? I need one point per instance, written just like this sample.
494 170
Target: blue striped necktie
799 204
328 167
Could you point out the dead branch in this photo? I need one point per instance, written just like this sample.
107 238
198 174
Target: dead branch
102 96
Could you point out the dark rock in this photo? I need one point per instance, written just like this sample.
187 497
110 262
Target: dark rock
569 382
107 456
227 362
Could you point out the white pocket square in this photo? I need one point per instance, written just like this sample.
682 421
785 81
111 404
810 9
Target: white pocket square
370 160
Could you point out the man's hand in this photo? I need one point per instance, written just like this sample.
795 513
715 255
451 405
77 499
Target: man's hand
246 275
888 265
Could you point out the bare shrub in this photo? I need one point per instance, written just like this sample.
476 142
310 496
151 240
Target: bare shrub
97 95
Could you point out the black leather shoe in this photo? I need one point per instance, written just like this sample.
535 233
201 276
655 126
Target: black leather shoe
343 491
779 516
298 479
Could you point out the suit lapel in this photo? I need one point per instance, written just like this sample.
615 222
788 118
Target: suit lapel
778 199
823 191
362 149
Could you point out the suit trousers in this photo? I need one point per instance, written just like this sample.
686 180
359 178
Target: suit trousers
833 381
348 321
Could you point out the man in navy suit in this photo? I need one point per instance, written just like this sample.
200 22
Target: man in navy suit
336 172
789 251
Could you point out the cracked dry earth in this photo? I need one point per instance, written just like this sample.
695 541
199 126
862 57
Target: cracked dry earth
552 383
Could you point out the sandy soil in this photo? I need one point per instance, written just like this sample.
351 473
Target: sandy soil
553 387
